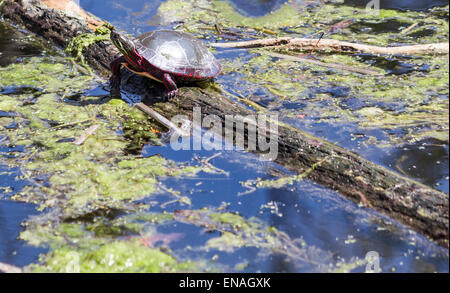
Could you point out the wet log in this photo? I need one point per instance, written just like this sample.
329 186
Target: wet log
415 205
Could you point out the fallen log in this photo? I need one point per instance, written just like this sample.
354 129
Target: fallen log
415 205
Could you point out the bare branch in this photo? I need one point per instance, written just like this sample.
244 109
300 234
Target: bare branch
329 45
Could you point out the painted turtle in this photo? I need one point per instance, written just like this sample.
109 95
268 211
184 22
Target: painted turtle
166 56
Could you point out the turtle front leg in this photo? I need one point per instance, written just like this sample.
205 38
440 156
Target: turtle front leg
115 65
170 85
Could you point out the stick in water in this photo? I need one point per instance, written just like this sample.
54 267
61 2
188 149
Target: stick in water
9 269
86 134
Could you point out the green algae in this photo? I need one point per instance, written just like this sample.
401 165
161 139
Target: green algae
81 42
99 175
234 220
323 94
305 21
36 74
114 257
405 99
283 81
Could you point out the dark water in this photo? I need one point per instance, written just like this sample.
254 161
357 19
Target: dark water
14 45
323 218
12 214
414 161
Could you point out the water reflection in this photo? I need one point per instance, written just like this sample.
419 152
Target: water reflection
133 16
12 214
415 161
15 45
256 8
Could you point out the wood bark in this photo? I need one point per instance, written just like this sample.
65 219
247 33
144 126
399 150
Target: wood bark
415 205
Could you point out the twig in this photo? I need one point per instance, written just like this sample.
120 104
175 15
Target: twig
329 45
28 178
165 204
250 188
71 124
315 46
206 163
212 157
409 28
329 65
86 134
9 269
161 119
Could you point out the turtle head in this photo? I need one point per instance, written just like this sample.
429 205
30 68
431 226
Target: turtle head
124 44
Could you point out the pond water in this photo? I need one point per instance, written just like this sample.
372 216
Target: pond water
12 214
331 228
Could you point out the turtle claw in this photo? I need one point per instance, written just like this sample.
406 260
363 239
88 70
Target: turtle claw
171 94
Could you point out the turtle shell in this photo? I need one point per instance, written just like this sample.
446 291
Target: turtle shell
177 53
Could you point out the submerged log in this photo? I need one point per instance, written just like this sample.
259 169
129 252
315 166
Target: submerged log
415 205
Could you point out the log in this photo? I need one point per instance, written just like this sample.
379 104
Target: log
415 205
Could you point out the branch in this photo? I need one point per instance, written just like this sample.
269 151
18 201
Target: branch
329 45
80 140
9 269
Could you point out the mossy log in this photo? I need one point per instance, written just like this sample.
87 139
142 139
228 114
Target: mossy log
417 206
